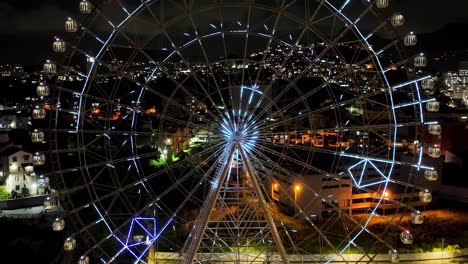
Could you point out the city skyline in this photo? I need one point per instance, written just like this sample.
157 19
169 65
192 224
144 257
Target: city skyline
37 23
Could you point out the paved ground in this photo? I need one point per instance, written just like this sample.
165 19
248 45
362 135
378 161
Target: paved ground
31 212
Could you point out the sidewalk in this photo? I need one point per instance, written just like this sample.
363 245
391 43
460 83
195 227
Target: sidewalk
30 212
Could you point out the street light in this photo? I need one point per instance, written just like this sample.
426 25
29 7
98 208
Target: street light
386 195
274 192
297 188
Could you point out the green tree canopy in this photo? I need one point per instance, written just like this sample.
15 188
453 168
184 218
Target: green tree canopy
3 193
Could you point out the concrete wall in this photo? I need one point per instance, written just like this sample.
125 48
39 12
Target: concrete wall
167 257
22 202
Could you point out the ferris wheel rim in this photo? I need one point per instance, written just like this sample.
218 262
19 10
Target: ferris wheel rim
381 69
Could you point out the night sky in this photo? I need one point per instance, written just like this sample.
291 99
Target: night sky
27 27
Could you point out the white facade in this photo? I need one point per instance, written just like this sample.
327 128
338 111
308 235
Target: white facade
10 122
18 173
321 194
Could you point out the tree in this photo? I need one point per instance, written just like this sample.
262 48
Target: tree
25 192
13 194
3 193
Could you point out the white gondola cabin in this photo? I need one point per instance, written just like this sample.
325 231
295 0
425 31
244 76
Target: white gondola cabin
434 129
49 67
397 20
410 40
69 244
83 260
420 61
433 106
58 224
59 45
38 113
37 136
431 175
428 83
38 159
71 25
417 218
434 152
382 3
425 196
86 7
42 90
406 237
393 256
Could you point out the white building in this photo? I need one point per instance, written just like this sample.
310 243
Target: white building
17 172
319 195
10 122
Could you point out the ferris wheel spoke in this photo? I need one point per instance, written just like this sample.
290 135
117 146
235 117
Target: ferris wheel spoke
292 200
331 46
208 63
193 74
225 52
148 205
336 77
215 156
343 154
157 115
153 175
160 68
174 214
372 56
126 159
178 183
281 5
171 102
244 55
326 200
325 151
158 94
283 157
320 110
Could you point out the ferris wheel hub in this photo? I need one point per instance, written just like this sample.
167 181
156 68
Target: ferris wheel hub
240 130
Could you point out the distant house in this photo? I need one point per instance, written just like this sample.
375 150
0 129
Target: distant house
17 171
10 122
175 141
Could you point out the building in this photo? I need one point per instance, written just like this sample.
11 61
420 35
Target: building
173 142
10 122
12 71
17 172
463 69
322 195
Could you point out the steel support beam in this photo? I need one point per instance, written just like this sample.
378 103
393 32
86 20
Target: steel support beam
262 201
198 230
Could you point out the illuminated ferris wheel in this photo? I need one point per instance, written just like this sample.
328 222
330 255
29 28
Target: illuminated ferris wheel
236 131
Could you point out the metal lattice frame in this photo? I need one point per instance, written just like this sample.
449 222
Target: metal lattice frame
243 103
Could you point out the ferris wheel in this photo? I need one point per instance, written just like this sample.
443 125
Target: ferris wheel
236 131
